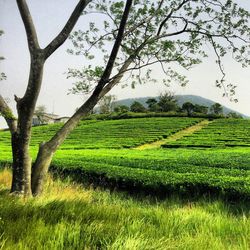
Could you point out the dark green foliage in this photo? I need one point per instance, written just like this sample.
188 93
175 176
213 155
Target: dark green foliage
234 115
153 105
216 109
121 109
200 109
188 107
137 107
202 105
130 115
167 102
195 109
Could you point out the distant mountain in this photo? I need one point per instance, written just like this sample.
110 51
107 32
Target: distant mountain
181 99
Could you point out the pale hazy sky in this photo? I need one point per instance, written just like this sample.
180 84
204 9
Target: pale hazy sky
49 17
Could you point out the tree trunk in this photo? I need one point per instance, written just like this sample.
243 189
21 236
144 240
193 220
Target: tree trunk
21 167
47 150
21 128
22 162
40 169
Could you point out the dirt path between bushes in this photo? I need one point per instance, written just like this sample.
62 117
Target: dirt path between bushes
176 136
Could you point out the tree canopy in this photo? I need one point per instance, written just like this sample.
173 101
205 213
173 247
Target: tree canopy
216 108
106 104
167 33
167 102
137 107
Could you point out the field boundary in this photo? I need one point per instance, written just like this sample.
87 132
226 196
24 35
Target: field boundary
176 136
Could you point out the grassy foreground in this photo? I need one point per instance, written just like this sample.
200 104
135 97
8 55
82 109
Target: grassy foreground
69 216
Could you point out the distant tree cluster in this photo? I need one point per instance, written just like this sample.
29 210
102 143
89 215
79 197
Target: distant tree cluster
166 102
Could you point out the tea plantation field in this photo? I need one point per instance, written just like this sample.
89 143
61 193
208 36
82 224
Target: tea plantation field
219 133
103 153
93 134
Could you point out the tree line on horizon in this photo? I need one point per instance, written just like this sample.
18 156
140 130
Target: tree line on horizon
166 103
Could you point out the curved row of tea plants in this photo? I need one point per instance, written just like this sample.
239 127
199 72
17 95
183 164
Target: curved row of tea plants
219 133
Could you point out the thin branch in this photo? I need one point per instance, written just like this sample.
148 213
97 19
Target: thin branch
169 16
107 72
215 3
63 35
28 24
116 79
93 43
174 33
144 21
220 66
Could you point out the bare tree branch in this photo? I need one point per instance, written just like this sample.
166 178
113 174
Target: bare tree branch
7 113
28 24
63 35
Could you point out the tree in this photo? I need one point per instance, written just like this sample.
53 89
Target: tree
106 104
121 109
216 109
188 107
152 105
29 179
135 35
40 111
200 109
167 102
137 107
234 115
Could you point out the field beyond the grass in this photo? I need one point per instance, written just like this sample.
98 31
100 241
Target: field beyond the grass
197 157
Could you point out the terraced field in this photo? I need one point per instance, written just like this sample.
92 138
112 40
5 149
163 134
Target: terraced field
93 134
219 133
96 152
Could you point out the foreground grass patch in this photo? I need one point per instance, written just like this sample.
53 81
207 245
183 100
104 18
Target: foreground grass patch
70 217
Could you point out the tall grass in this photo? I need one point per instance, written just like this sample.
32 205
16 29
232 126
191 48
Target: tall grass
69 216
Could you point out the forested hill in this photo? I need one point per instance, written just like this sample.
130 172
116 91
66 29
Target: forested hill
181 99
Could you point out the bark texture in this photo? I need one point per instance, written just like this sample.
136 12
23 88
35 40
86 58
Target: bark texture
21 182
